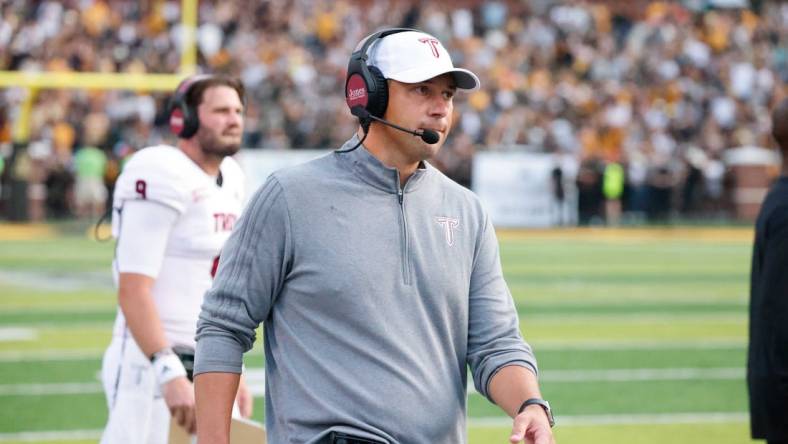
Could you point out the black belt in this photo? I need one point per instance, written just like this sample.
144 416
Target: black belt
186 355
344 438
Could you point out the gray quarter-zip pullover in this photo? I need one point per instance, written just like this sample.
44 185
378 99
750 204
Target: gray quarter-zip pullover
374 299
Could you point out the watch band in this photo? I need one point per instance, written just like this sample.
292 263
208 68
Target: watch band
542 403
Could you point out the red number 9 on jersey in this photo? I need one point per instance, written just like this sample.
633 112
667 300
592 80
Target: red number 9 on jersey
140 187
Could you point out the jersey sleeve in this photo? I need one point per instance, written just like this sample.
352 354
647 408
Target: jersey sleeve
156 177
148 224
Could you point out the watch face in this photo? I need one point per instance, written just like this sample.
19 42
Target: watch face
545 406
548 411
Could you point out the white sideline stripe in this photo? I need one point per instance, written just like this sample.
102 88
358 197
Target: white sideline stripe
630 419
634 318
642 374
256 379
556 345
50 355
17 334
74 388
595 344
53 435
496 421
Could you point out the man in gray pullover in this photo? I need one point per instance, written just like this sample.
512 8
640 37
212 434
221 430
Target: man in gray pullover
377 278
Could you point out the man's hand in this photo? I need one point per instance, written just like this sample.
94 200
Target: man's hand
244 399
532 426
179 396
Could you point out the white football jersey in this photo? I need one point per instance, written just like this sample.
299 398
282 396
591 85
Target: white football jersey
206 213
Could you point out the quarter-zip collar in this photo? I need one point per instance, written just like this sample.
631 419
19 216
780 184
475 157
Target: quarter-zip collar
372 171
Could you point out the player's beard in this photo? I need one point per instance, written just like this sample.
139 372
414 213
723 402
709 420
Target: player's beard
214 145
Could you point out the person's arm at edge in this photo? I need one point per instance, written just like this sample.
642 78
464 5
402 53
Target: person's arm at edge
149 223
215 393
142 317
145 223
254 262
503 365
509 388
244 398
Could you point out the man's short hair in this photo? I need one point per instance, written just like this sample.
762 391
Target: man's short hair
195 94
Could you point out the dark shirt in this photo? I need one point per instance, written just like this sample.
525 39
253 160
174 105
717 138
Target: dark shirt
767 366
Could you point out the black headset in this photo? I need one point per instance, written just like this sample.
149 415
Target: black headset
365 85
184 121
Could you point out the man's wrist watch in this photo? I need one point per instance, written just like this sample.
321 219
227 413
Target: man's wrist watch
540 402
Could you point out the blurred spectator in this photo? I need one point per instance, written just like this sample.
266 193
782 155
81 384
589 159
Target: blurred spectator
559 194
2 170
642 82
90 194
589 192
59 192
613 188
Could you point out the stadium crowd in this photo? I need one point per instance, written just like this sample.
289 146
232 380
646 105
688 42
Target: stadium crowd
661 88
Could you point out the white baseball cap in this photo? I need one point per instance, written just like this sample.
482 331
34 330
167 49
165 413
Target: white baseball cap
412 57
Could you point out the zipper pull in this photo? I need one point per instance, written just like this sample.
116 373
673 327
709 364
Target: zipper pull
399 196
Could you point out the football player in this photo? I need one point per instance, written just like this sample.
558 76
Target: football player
173 209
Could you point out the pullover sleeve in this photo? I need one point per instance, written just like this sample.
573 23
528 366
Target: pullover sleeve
494 339
252 268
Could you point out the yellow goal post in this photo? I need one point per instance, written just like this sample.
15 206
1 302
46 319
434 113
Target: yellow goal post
32 82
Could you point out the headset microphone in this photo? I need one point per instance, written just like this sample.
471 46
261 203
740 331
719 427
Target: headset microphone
427 135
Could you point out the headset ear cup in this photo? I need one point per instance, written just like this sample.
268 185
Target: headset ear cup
176 119
380 99
184 121
190 122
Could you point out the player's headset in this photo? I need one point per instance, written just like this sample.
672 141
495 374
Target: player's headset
184 121
365 85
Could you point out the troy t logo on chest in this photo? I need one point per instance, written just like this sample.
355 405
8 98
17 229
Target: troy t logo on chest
223 221
449 224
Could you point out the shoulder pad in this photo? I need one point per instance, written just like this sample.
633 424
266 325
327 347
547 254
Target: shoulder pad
158 174
230 166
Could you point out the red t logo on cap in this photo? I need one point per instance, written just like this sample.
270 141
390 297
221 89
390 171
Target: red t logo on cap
433 44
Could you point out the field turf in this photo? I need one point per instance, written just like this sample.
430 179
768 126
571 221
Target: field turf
640 334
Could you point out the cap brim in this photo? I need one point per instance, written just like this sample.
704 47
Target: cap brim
465 79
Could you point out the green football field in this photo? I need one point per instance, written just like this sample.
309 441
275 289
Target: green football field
640 334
